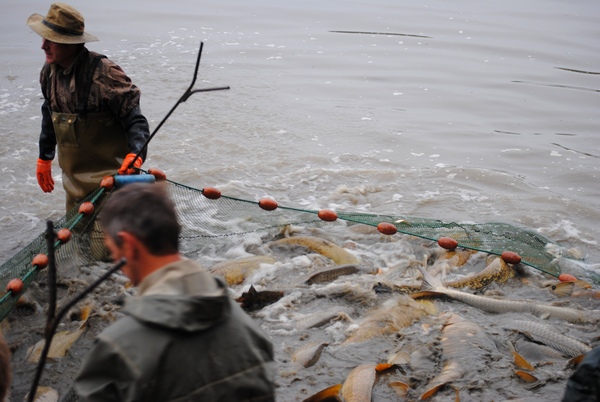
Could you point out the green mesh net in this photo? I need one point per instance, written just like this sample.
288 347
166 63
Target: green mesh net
214 225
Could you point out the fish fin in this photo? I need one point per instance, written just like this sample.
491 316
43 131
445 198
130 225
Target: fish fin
383 366
574 362
521 362
431 391
429 281
525 376
563 289
85 315
583 284
400 387
457 394
330 394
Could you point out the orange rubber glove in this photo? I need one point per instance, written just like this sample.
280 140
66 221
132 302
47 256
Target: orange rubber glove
127 162
44 175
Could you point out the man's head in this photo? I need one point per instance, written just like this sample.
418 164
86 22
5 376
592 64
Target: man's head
63 32
140 219
63 24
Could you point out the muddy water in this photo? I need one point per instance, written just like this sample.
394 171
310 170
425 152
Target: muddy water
359 317
462 111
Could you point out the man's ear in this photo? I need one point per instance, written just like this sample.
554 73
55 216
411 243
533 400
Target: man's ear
128 244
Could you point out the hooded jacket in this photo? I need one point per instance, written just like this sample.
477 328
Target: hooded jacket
183 339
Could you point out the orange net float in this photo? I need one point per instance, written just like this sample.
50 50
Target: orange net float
511 257
211 193
567 278
448 243
327 215
40 260
158 174
267 204
108 182
86 208
387 228
63 235
15 286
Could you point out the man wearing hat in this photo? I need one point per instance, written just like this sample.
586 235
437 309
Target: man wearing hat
91 109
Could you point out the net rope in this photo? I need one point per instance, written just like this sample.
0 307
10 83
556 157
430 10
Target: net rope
214 225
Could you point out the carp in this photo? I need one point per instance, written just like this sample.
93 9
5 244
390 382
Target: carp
236 271
61 341
466 348
309 354
580 289
254 300
323 317
396 313
358 386
544 334
324 247
326 275
492 305
497 271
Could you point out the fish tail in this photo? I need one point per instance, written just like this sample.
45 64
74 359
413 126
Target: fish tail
431 391
429 281
85 315
328 394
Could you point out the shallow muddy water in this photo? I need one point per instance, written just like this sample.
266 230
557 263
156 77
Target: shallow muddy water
456 111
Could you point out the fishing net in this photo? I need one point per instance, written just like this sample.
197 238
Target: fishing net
212 225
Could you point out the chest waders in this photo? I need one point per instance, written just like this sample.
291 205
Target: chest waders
90 145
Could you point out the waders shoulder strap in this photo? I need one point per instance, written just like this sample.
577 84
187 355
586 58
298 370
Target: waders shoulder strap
84 94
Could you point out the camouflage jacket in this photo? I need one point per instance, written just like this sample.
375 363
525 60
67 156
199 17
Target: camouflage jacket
71 91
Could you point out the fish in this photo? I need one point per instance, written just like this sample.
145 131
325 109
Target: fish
326 275
434 287
395 313
61 341
497 271
236 271
535 352
541 333
45 394
323 317
253 300
466 350
358 386
309 354
330 394
457 258
319 245
575 289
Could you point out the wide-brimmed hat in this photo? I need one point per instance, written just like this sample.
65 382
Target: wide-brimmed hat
62 24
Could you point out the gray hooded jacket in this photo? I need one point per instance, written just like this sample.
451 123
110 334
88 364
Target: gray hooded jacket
183 339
